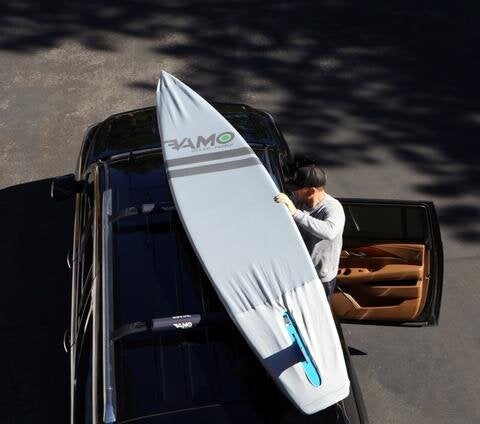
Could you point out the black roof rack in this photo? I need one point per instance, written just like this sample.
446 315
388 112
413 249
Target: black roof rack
178 323
145 209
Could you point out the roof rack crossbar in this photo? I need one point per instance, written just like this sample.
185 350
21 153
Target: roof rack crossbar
145 209
170 324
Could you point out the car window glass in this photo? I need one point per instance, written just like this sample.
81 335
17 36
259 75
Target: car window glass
262 155
284 167
385 221
276 172
267 157
250 129
130 131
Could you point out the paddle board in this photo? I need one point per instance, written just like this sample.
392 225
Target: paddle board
250 248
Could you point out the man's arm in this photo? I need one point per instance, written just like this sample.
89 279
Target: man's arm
323 229
329 228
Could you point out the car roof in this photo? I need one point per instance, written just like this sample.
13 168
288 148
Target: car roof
187 376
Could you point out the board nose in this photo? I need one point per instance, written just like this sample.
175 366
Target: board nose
167 79
163 79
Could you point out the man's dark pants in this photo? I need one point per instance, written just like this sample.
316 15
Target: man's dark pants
329 286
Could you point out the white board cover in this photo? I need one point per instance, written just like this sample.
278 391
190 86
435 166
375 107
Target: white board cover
248 245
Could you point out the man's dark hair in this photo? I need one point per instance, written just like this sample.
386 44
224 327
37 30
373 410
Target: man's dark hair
308 176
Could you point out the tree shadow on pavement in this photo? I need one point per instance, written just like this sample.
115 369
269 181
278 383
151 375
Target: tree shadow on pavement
34 305
348 79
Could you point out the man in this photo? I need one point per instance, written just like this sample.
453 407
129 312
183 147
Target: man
320 219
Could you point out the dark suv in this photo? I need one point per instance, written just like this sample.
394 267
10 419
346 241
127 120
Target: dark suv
149 340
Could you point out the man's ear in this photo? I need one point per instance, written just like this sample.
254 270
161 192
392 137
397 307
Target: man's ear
311 191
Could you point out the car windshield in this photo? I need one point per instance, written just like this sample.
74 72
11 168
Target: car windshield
207 375
138 130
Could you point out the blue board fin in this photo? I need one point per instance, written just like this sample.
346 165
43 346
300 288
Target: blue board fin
307 362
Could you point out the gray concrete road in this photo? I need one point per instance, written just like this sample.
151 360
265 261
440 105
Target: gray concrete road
386 97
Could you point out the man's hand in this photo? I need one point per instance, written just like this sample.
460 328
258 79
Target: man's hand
283 198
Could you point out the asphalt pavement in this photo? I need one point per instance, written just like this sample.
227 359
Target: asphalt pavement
385 96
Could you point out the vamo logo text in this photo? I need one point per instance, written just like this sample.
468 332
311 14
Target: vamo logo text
183 325
201 141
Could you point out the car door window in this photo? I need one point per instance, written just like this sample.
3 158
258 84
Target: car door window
384 222
276 170
284 168
267 159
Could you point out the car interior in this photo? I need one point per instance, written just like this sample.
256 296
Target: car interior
381 281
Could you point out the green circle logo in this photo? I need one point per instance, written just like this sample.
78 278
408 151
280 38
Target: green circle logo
225 137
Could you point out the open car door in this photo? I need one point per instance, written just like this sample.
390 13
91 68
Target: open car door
36 234
391 265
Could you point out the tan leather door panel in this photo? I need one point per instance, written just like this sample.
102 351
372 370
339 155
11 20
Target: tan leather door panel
382 282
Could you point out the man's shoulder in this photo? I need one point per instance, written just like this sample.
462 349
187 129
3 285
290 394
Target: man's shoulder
332 202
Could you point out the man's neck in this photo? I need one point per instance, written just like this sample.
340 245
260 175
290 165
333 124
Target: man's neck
316 199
